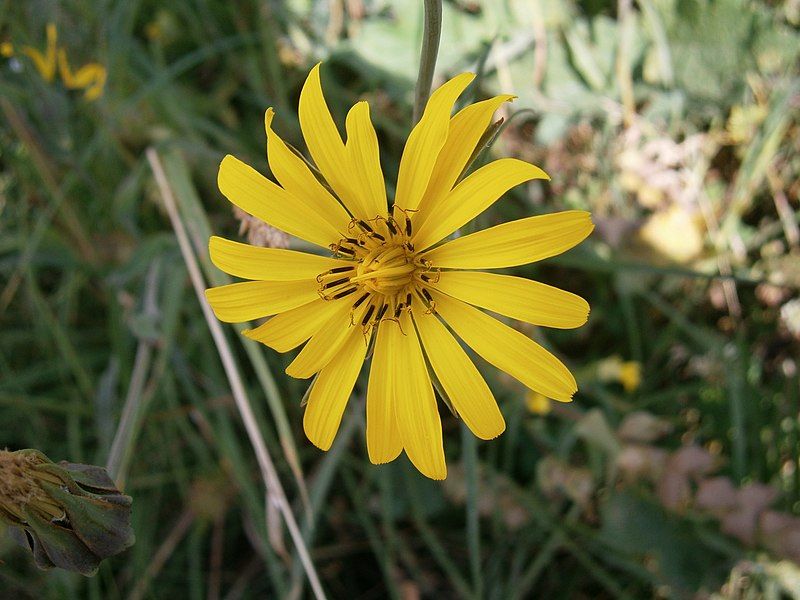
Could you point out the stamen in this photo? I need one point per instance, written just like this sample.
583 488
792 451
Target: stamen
346 292
390 225
408 299
340 270
408 226
335 283
368 314
358 302
365 226
382 312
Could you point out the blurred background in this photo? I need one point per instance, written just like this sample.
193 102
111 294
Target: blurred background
673 474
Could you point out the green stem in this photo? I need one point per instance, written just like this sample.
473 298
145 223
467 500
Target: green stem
431 34
470 450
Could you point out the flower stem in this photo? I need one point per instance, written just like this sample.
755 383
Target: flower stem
431 34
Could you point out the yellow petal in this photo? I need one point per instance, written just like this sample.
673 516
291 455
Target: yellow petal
467 390
331 390
268 264
364 154
508 349
325 343
514 243
239 302
472 196
425 142
515 297
383 436
296 178
464 133
255 194
289 329
414 402
323 140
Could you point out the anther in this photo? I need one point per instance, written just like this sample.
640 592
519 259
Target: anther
408 226
346 292
365 226
335 283
427 295
370 310
360 301
390 225
408 299
339 270
382 312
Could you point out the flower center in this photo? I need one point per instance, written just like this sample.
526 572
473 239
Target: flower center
386 274
386 270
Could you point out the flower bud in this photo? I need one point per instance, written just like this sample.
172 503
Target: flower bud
70 515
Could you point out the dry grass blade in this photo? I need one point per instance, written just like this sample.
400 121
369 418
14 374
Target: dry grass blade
272 484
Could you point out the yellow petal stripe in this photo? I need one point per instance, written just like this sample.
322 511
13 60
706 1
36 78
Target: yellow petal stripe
325 343
362 149
514 243
383 436
256 195
467 390
472 196
296 178
323 140
289 329
515 297
331 391
267 264
414 402
508 349
239 302
463 135
426 141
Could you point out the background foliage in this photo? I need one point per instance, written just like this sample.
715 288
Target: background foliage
674 121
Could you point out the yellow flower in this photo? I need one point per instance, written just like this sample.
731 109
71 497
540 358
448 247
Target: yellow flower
91 77
45 63
390 278
628 373
537 403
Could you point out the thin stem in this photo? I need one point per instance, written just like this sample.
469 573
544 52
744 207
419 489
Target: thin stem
431 34
275 492
470 450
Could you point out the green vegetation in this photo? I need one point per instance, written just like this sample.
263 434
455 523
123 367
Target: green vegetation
674 121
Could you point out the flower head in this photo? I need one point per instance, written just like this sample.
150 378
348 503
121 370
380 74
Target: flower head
388 279
91 77
70 515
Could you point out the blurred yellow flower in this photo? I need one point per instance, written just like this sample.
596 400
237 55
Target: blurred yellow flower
91 77
628 373
674 233
393 276
45 62
537 403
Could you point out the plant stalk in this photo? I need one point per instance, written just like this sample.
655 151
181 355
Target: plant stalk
431 34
